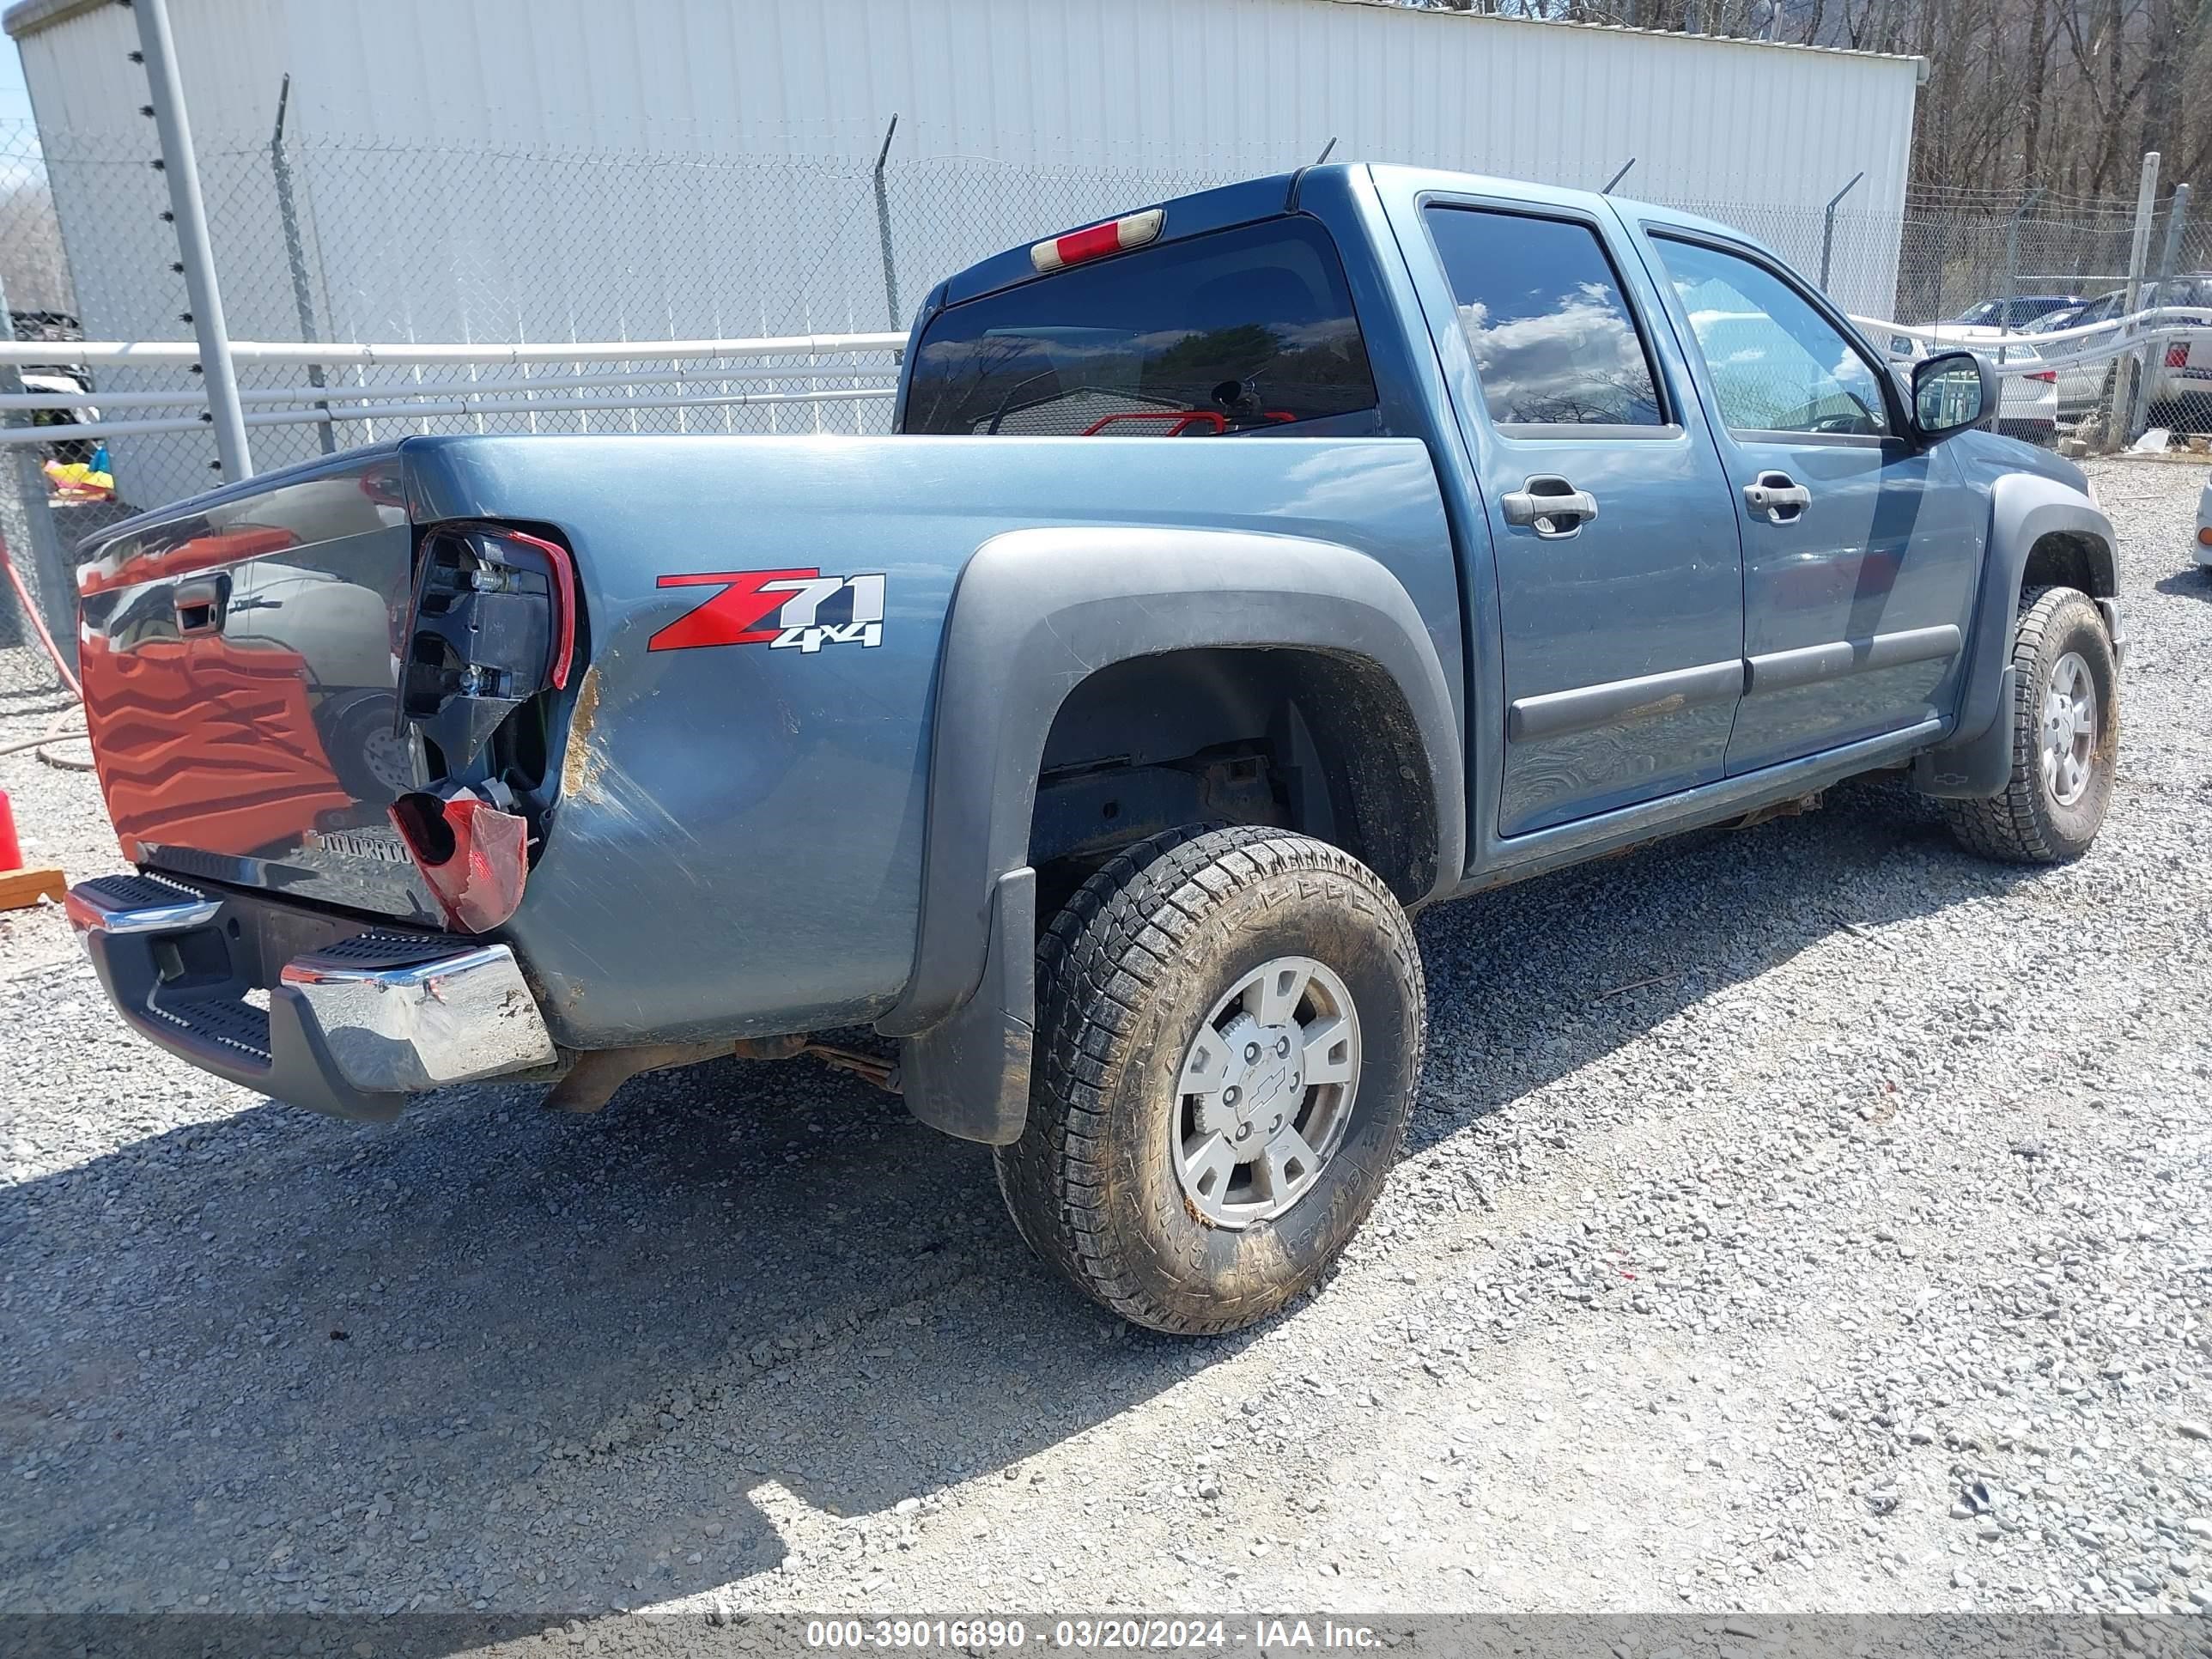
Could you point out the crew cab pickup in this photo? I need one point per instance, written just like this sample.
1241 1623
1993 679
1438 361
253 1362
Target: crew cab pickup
1240 576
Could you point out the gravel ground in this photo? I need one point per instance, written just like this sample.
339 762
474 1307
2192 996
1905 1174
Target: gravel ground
1801 1218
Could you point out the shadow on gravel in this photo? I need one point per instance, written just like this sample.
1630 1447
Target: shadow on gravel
2194 582
227 1344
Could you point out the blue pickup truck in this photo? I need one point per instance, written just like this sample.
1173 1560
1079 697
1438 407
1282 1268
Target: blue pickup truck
1097 768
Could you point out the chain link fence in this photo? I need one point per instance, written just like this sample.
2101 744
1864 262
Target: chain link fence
329 242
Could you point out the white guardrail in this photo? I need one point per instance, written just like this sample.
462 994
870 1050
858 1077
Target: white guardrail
728 363
2062 348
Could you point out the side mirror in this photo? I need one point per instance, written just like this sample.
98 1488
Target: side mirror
1952 393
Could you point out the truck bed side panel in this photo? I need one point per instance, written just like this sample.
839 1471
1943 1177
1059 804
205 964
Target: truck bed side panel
741 825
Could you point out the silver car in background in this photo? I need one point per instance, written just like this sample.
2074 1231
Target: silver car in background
2178 390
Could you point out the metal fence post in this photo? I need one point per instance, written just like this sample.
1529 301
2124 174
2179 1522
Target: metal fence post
1828 226
2012 257
883 225
159 47
2127 368
295 254
49 572
2177 215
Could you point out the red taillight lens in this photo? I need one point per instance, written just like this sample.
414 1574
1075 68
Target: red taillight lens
564 570
1096 241
2049 377
2176 355
473 856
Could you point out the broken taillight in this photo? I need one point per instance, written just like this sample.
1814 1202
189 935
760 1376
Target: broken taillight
493 623
473 855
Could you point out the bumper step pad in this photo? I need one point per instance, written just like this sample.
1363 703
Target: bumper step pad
351 1027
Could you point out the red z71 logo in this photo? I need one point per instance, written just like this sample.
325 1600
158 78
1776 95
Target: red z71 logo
740 613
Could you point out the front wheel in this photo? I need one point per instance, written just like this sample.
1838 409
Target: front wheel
1229 1027
2065 718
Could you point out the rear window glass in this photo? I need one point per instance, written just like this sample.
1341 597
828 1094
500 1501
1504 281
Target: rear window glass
1240 331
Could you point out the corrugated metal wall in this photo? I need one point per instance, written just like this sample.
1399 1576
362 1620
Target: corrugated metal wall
535 169
1217 86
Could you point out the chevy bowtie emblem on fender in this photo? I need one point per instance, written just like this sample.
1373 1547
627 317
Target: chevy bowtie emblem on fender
800 609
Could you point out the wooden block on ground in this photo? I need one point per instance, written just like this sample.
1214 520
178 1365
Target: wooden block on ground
22 889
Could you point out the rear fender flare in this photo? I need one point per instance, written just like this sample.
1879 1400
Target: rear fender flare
1036 611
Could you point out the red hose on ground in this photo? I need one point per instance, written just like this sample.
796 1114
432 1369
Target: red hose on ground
31 610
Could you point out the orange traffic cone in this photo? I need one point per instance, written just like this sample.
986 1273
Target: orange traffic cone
21 888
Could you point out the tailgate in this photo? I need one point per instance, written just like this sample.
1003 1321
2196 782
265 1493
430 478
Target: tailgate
240 669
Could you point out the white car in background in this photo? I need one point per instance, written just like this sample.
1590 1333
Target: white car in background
2178 390
2204 524
2027 402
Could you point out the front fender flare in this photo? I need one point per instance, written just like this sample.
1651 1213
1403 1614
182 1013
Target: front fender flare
1976 759
1035 613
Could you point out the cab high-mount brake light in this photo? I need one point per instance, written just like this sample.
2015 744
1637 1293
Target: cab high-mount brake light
1114 236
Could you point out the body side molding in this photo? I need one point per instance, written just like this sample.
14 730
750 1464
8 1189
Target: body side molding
1808 665
1585 707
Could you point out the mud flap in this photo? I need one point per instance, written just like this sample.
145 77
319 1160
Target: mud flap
1975 768
969 1074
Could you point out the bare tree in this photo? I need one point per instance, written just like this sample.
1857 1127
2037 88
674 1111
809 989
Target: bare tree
2062 93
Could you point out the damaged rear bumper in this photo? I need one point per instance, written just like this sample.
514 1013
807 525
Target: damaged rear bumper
356 1019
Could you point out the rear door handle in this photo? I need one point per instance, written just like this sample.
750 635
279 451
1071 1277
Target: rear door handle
1550 506
1780 497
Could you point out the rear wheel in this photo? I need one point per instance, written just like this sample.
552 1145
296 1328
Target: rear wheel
2065 737
1229 1035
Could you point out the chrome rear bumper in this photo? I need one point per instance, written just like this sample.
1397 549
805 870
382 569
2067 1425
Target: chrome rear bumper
426 1023
355 1020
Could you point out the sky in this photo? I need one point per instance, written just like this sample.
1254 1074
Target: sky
15 102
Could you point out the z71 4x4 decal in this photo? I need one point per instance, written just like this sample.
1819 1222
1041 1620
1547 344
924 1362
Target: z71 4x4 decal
803 610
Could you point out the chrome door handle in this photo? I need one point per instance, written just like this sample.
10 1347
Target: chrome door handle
1780 497
1550 506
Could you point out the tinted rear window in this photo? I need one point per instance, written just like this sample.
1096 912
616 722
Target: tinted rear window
1236 332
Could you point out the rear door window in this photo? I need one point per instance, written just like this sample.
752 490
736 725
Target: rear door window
1241 330
1554 341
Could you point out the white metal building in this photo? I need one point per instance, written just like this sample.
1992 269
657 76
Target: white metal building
540 170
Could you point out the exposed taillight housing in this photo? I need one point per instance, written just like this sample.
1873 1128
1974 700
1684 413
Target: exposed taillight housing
1096 241
492 624
491 627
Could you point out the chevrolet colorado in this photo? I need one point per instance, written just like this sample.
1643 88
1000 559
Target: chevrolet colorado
1098 767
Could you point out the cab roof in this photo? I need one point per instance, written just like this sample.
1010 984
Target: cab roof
1252 199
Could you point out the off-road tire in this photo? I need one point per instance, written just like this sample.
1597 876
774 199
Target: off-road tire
2027 824
1126 972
